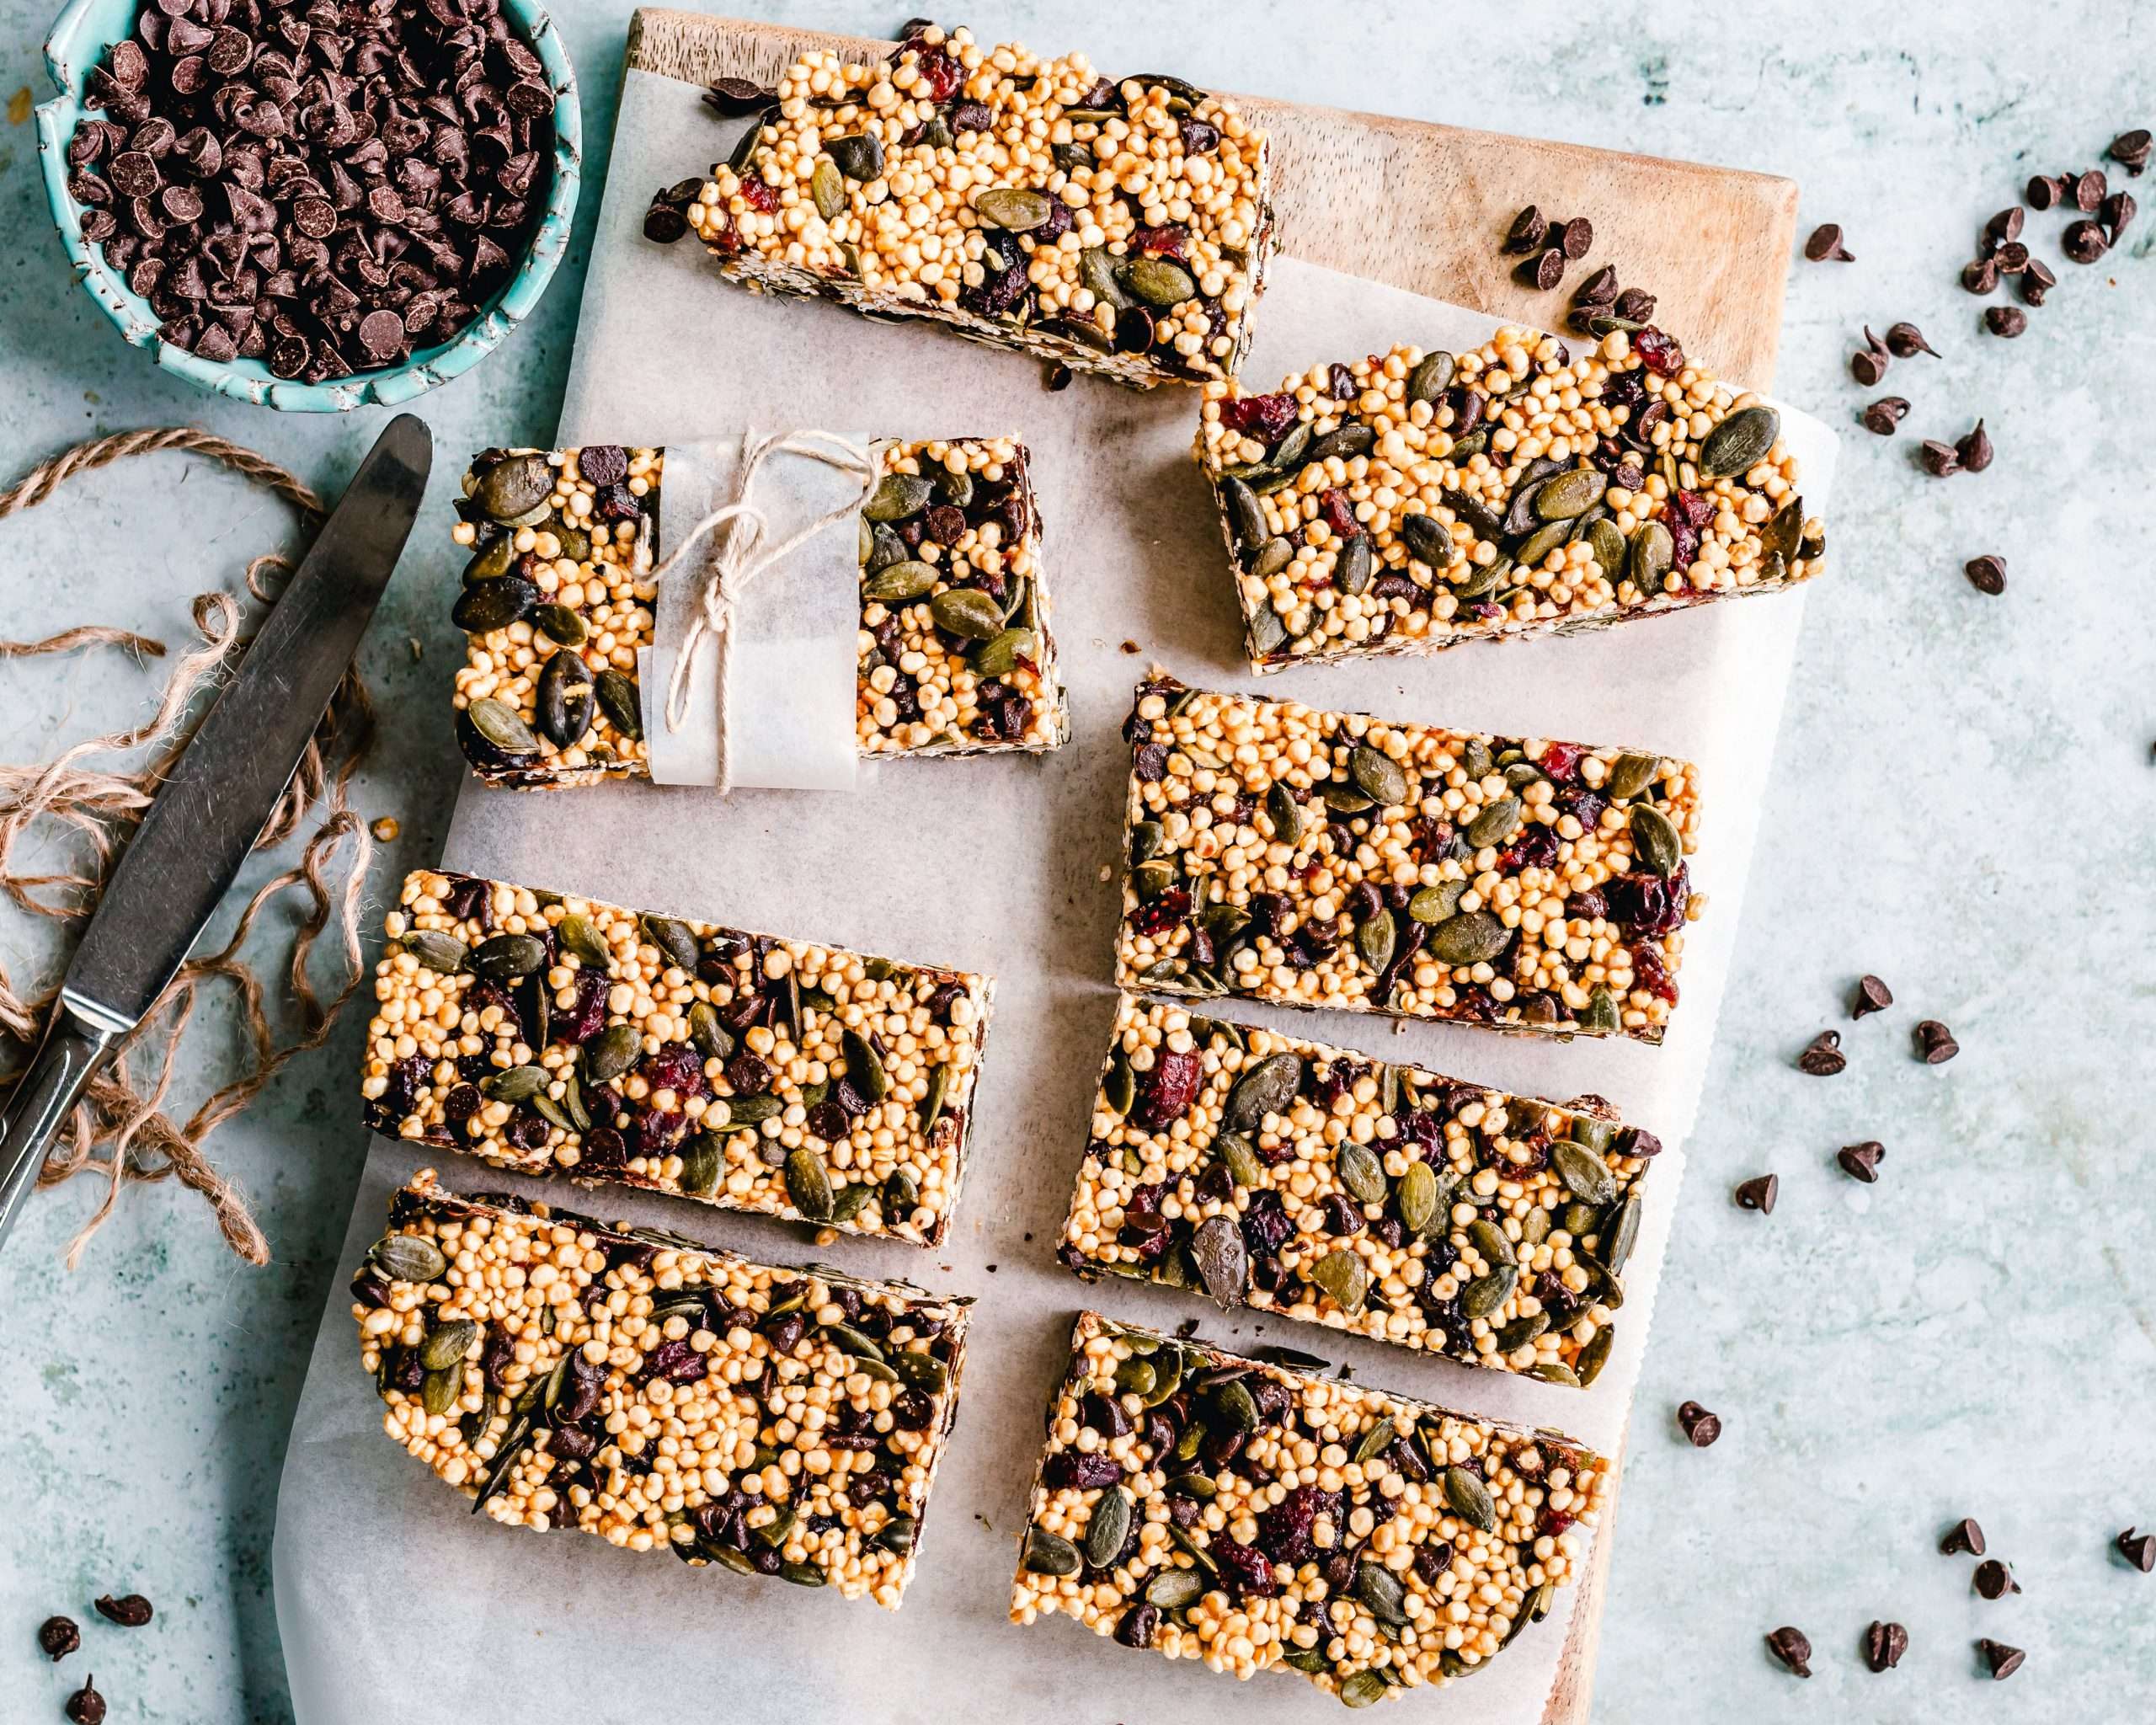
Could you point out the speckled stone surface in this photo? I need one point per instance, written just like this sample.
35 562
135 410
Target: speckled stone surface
1964 802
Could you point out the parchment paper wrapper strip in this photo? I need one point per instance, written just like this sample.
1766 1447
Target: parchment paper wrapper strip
1385 1199
1410 1547
638 1385
553 1033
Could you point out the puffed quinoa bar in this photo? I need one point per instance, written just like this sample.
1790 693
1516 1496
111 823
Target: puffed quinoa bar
557 598
1328 859
1412 500
1335 1188
550 1034
1260 1517
659 1393
1121 227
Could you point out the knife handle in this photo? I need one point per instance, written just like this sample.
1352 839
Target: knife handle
75 1046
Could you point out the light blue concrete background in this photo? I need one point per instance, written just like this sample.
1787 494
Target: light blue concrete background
1964 802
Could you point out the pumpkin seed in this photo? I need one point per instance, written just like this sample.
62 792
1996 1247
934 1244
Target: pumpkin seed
849 1203
1109 1527
1418 1197
408 1257
1272 557
1486 1294
515 485
1362 1173
1374 941
1470 1499
803 1574
898 1534
1044 1553
1433 904
924 1371
618 699
1096 269
492 561
864 1067
1655 839
1013 207
560 624
1267 631
1608 545
508 956
899 583
579 936
1473 938
1285 814
1244 1167
1000 657
1345 1277
1223 1259
1630 775
1157 281
612 1052
675 940
702 1162
1266 1088
930 1106
1521 1331
1739 444
1534 1227
1622 1235
1351 570
827 188
1379 1588
1360 1689
1554 1371
1241 505
517 1084
448 1345
807 1185
858 157
1430 378
1496 823
1236 1407
1136 1376
1597 1135
1569 494
1172 1590
1119 1086
498 722
1489 1240
562 700
1585 1174
1376 1440
1601 1017
1653 554
1381 777
1427 541
967 611
1578 1219
1344 798
853 1342
1594 1356
897 496
436 950
1539 544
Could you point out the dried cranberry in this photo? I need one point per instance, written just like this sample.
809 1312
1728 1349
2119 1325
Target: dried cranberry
1265 910
1432 1561
678 1067
758 194
1537 847
1683 541
1696 510
1073 1469
1169 243
1337 513
572 1445
658 1131
408 1079
1005 714
1149 763
1284 1531
971 116
1624 390
1158 915
999 290
1265 1224
938 75
1138 1626
1243 1568
496 1355
1554 1522
604 1152
580 1392
1645 904
1583 806
585 1019
1560 759
1653 973
1266 417
1659 353
677 1362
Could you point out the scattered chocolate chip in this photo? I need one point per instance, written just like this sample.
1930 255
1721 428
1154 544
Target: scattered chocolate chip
1883 415
2084 242
1940 460
1868 365
1636 305
2036 281
1527 232
1883 1644
1872 996
1823 1056
1965 1535
664 224
1758 1193
1599 289
129 1611
2138 1549
1906 341
1701 1428
1058 378
1861 1162
2044 191
1793 1648
1974 448
2089 189
2013 258
1994 1580
1936 1043
86 1707
2009 321
1546 271
2004 1660
1980 274
1825 246
2130 149
2002 226
1987 573
2116 212
1576 238
734 96
58 1637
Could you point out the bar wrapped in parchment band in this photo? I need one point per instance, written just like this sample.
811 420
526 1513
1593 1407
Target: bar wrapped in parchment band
1339 1189
954 655
1407 501
1118 225
1260 1517
1332 859
548 1033
564 1372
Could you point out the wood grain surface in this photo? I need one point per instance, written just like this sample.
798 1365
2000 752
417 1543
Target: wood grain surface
1712 243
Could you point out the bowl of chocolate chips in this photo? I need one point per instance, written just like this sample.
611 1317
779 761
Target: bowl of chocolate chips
311 204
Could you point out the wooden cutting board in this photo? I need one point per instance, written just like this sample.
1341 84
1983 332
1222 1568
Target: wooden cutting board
1720 242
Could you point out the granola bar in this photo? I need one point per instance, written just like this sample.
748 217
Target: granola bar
954 654
1410 500
1325 859
637 1386
1387 1200
1118 225
549 1034
1260 1517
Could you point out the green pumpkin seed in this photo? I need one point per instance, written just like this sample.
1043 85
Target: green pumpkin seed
1489 1240
408 1257
1476 759
852 1340
513 486
1272 557
807 1185
901 1193
1267 631
1344 798
1585 1174
517 1084
675 940
1539 544
1623 1235
1351 570
492 561
1157 281
448 1345
1345 1277
1096 269
1486 1295
498 722
1148 840
611 1053
885 547
1000 657
1119 1086
1266 1088
1382 778
1579 1219
1470 1499
1652 555
1497 822
1360 1689
562 699
1172 1590
1474 937
1554 1371
1044 1553
1739 444
1608 545
1285 814
1136 1376
1244 1167
900 582
803 1574
702 1162
1343 443
924 1371
508 956
1374 941
1630 775
1432 904
1362 1173
579 936
1222 1258
1569 494
931 1108
1013 208
1521 1331
619 700
967 611
1594 1356
1655 839
560 624
436 950
1430 378
1109 1527
864 1067
1534 1227
859 157
897 496
1245 513
439 1390
1418 1197
1378 1587
1236 1407
828 188
1427 541
1597 1135
1376 1440
1601 1017
848 1205
1310 1661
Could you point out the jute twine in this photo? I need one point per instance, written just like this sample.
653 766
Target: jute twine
122 1133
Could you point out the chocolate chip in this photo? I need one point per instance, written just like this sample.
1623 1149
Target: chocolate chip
1527 232
2044 191
1701 1428
129 1611
2138 1549
1905 341
664 224
1057 378
1883 415
1861 1162
2004 1660
1883 1644
1793 1648
1636 305
1940 460
1758 1193
1980 275
1576 238
2009 321
2130 149
2116 212
2013 258
1965 1535
2089 189
1994 1580
1868 365
58 1637
1872 996
2084 242
1599 289
1987 573
1825 245
1936 1043
86 1707
2002 226
2037 281
1823 1056
1974 448
1545 270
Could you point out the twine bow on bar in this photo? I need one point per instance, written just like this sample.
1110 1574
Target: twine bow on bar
739 556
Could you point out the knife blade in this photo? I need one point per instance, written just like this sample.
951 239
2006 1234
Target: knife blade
213 805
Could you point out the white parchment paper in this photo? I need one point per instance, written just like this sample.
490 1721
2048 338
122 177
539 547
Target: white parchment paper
394 1601
785 715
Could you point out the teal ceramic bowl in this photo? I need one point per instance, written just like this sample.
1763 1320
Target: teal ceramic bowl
77 43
